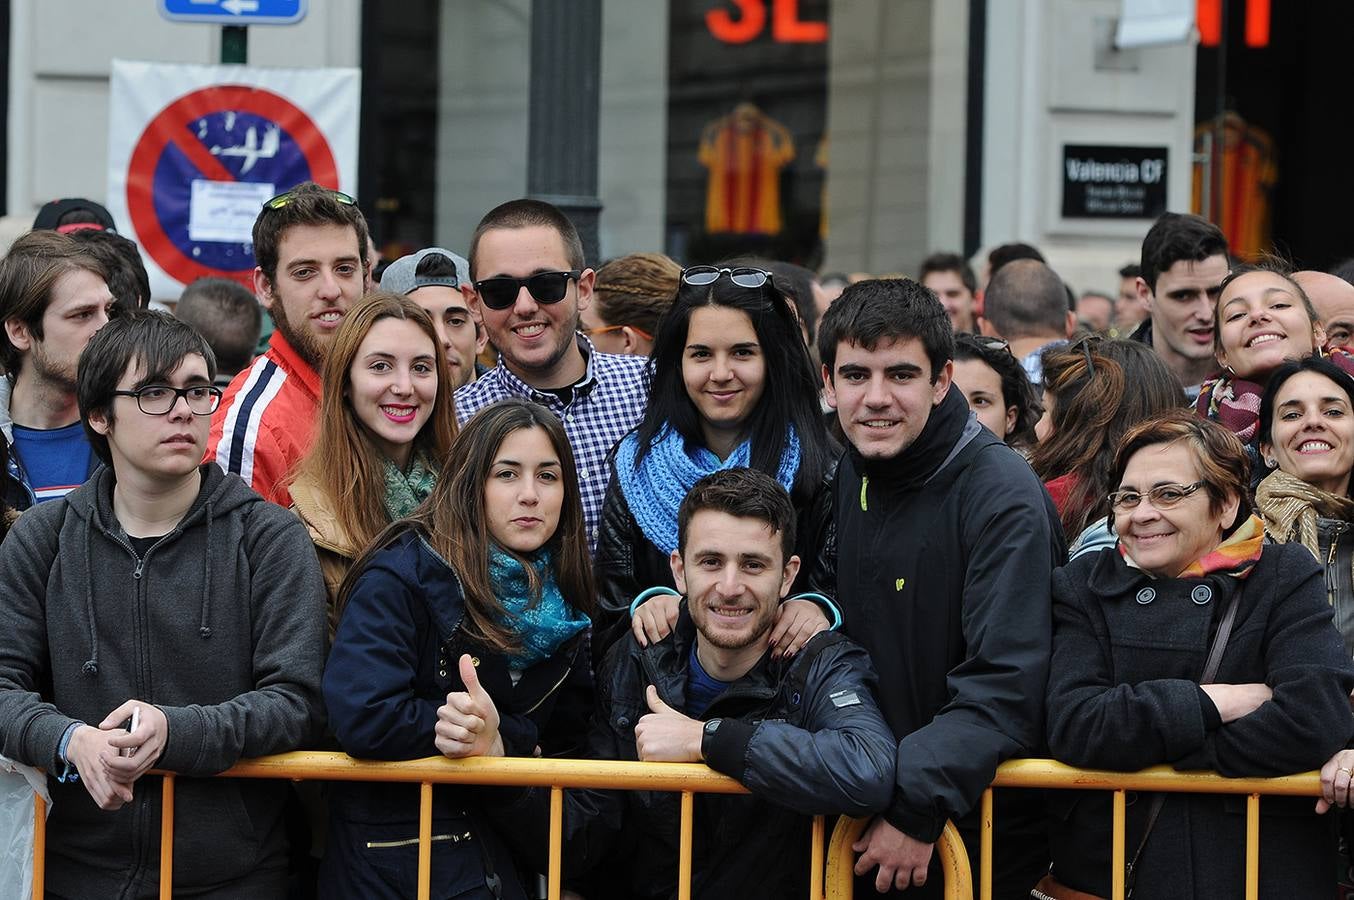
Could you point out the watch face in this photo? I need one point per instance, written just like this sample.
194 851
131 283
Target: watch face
711 726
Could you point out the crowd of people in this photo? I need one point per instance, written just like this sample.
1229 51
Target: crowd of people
853 545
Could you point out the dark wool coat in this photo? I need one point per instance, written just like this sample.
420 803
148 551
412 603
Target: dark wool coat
1123 694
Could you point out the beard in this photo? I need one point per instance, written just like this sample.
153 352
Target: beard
53 371
301 338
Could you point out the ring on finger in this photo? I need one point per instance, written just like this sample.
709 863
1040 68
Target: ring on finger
1346 770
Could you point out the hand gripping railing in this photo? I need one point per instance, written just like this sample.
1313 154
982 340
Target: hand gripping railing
688 779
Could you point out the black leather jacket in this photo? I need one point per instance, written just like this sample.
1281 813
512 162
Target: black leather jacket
804 734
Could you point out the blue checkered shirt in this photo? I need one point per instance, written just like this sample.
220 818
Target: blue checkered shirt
606 404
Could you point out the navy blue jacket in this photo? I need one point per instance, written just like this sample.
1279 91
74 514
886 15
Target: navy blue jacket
393 662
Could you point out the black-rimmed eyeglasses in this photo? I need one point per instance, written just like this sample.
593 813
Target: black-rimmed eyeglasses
159 399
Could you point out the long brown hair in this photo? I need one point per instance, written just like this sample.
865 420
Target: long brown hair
1100 389
344 462
453 522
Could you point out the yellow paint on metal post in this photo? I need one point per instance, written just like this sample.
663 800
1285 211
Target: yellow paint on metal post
556 841
684 847
425 840
985 848
167 838
816 858
1117 848
39 847
1253 847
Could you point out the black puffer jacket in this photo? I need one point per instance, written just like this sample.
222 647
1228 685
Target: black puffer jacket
1123 694
804 734
627 562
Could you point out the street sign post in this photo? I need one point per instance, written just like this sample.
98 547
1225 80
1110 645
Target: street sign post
234 12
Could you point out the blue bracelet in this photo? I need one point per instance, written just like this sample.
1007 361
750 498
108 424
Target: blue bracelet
648 595
822 601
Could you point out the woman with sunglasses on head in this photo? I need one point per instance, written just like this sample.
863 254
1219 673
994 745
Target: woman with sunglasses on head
996 387
1094 391
1193 643
386 422
1263 318
483 593
731 386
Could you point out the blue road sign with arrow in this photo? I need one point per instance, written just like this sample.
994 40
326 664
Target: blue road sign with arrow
234 12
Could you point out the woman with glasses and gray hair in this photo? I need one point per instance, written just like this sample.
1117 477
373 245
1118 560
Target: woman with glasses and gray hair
1193 643
731 385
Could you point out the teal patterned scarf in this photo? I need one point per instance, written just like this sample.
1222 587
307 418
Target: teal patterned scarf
543 625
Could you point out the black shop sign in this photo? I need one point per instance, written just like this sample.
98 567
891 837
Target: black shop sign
1113 182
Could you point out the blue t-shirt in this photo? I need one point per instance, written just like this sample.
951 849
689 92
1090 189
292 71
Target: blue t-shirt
56 460
701 689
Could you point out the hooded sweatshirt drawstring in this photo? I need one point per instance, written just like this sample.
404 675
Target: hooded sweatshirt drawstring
91 666
204 629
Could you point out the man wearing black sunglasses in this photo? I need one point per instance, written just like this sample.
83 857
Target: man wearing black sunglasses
531 284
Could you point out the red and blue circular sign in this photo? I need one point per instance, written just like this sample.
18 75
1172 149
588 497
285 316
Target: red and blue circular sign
183 143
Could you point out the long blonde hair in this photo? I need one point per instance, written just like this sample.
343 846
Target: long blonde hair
344 462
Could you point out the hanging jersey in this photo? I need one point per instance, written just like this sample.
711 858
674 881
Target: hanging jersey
744 152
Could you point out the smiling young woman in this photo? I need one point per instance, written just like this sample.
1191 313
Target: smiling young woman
732 385
1263 319
1307 444
386 422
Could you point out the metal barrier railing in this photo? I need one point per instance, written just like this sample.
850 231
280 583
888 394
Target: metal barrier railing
1045 773
688 779
829 879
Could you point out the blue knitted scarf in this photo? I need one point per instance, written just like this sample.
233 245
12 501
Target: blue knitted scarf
655 489
543 625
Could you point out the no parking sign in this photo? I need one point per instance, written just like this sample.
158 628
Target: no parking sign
193 151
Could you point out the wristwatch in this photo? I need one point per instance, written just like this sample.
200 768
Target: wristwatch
712 726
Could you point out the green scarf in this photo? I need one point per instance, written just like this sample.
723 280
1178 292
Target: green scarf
406 490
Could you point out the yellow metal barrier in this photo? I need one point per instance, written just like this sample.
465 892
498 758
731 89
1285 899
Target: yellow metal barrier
1045 773
829 880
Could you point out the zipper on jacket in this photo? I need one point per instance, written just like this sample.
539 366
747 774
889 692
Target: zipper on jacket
408 842
1332 580
546 696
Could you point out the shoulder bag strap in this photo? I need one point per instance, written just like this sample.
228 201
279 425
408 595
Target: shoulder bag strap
1210 672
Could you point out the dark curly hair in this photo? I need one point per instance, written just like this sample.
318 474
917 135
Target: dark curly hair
1016 389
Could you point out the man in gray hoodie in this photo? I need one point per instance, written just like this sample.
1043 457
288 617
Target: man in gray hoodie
164 616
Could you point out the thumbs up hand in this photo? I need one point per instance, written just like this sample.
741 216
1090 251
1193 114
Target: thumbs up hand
665 735
467 724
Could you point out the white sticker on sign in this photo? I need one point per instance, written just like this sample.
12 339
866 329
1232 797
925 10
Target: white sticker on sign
226 210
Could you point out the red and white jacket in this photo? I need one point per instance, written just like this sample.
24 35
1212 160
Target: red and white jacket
266 420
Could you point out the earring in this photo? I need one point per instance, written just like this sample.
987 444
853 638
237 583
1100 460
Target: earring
1270 462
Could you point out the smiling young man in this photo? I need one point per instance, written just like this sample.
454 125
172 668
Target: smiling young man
310 244
439 281
183 632
941 554
52 299
531 285
803 734
1184 259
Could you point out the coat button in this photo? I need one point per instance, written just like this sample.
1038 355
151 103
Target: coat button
623 721
1146 595
1201 594
442 672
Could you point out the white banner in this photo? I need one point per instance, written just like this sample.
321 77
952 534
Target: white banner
193 151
